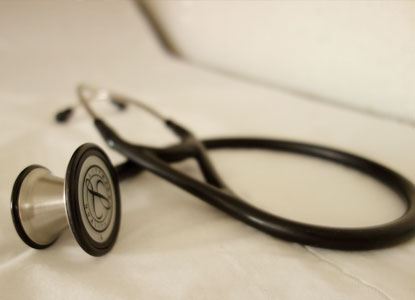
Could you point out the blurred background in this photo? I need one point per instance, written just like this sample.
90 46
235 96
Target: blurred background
356 54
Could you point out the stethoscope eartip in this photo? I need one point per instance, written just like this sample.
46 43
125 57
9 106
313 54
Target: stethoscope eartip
87 201
64 115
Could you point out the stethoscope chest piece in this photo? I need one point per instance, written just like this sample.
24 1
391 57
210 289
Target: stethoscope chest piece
87 201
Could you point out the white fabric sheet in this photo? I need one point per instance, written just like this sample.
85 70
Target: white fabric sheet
171 245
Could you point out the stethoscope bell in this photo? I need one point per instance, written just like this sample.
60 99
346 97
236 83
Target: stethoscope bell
87 201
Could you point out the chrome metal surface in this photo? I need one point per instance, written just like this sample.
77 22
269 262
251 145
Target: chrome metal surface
139 104
89 93
42 206
96 199
85 96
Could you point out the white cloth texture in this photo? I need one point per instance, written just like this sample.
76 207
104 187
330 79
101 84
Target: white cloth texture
171 245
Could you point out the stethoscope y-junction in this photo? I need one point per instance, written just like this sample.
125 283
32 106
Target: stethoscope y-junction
91 203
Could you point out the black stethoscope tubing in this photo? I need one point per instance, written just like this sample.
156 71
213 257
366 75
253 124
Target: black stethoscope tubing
216 193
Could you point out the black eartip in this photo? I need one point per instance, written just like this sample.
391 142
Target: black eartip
120 105
64 115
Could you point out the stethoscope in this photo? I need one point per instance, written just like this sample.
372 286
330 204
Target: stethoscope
88 199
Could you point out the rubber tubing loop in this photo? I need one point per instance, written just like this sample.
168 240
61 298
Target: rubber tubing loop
363 238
